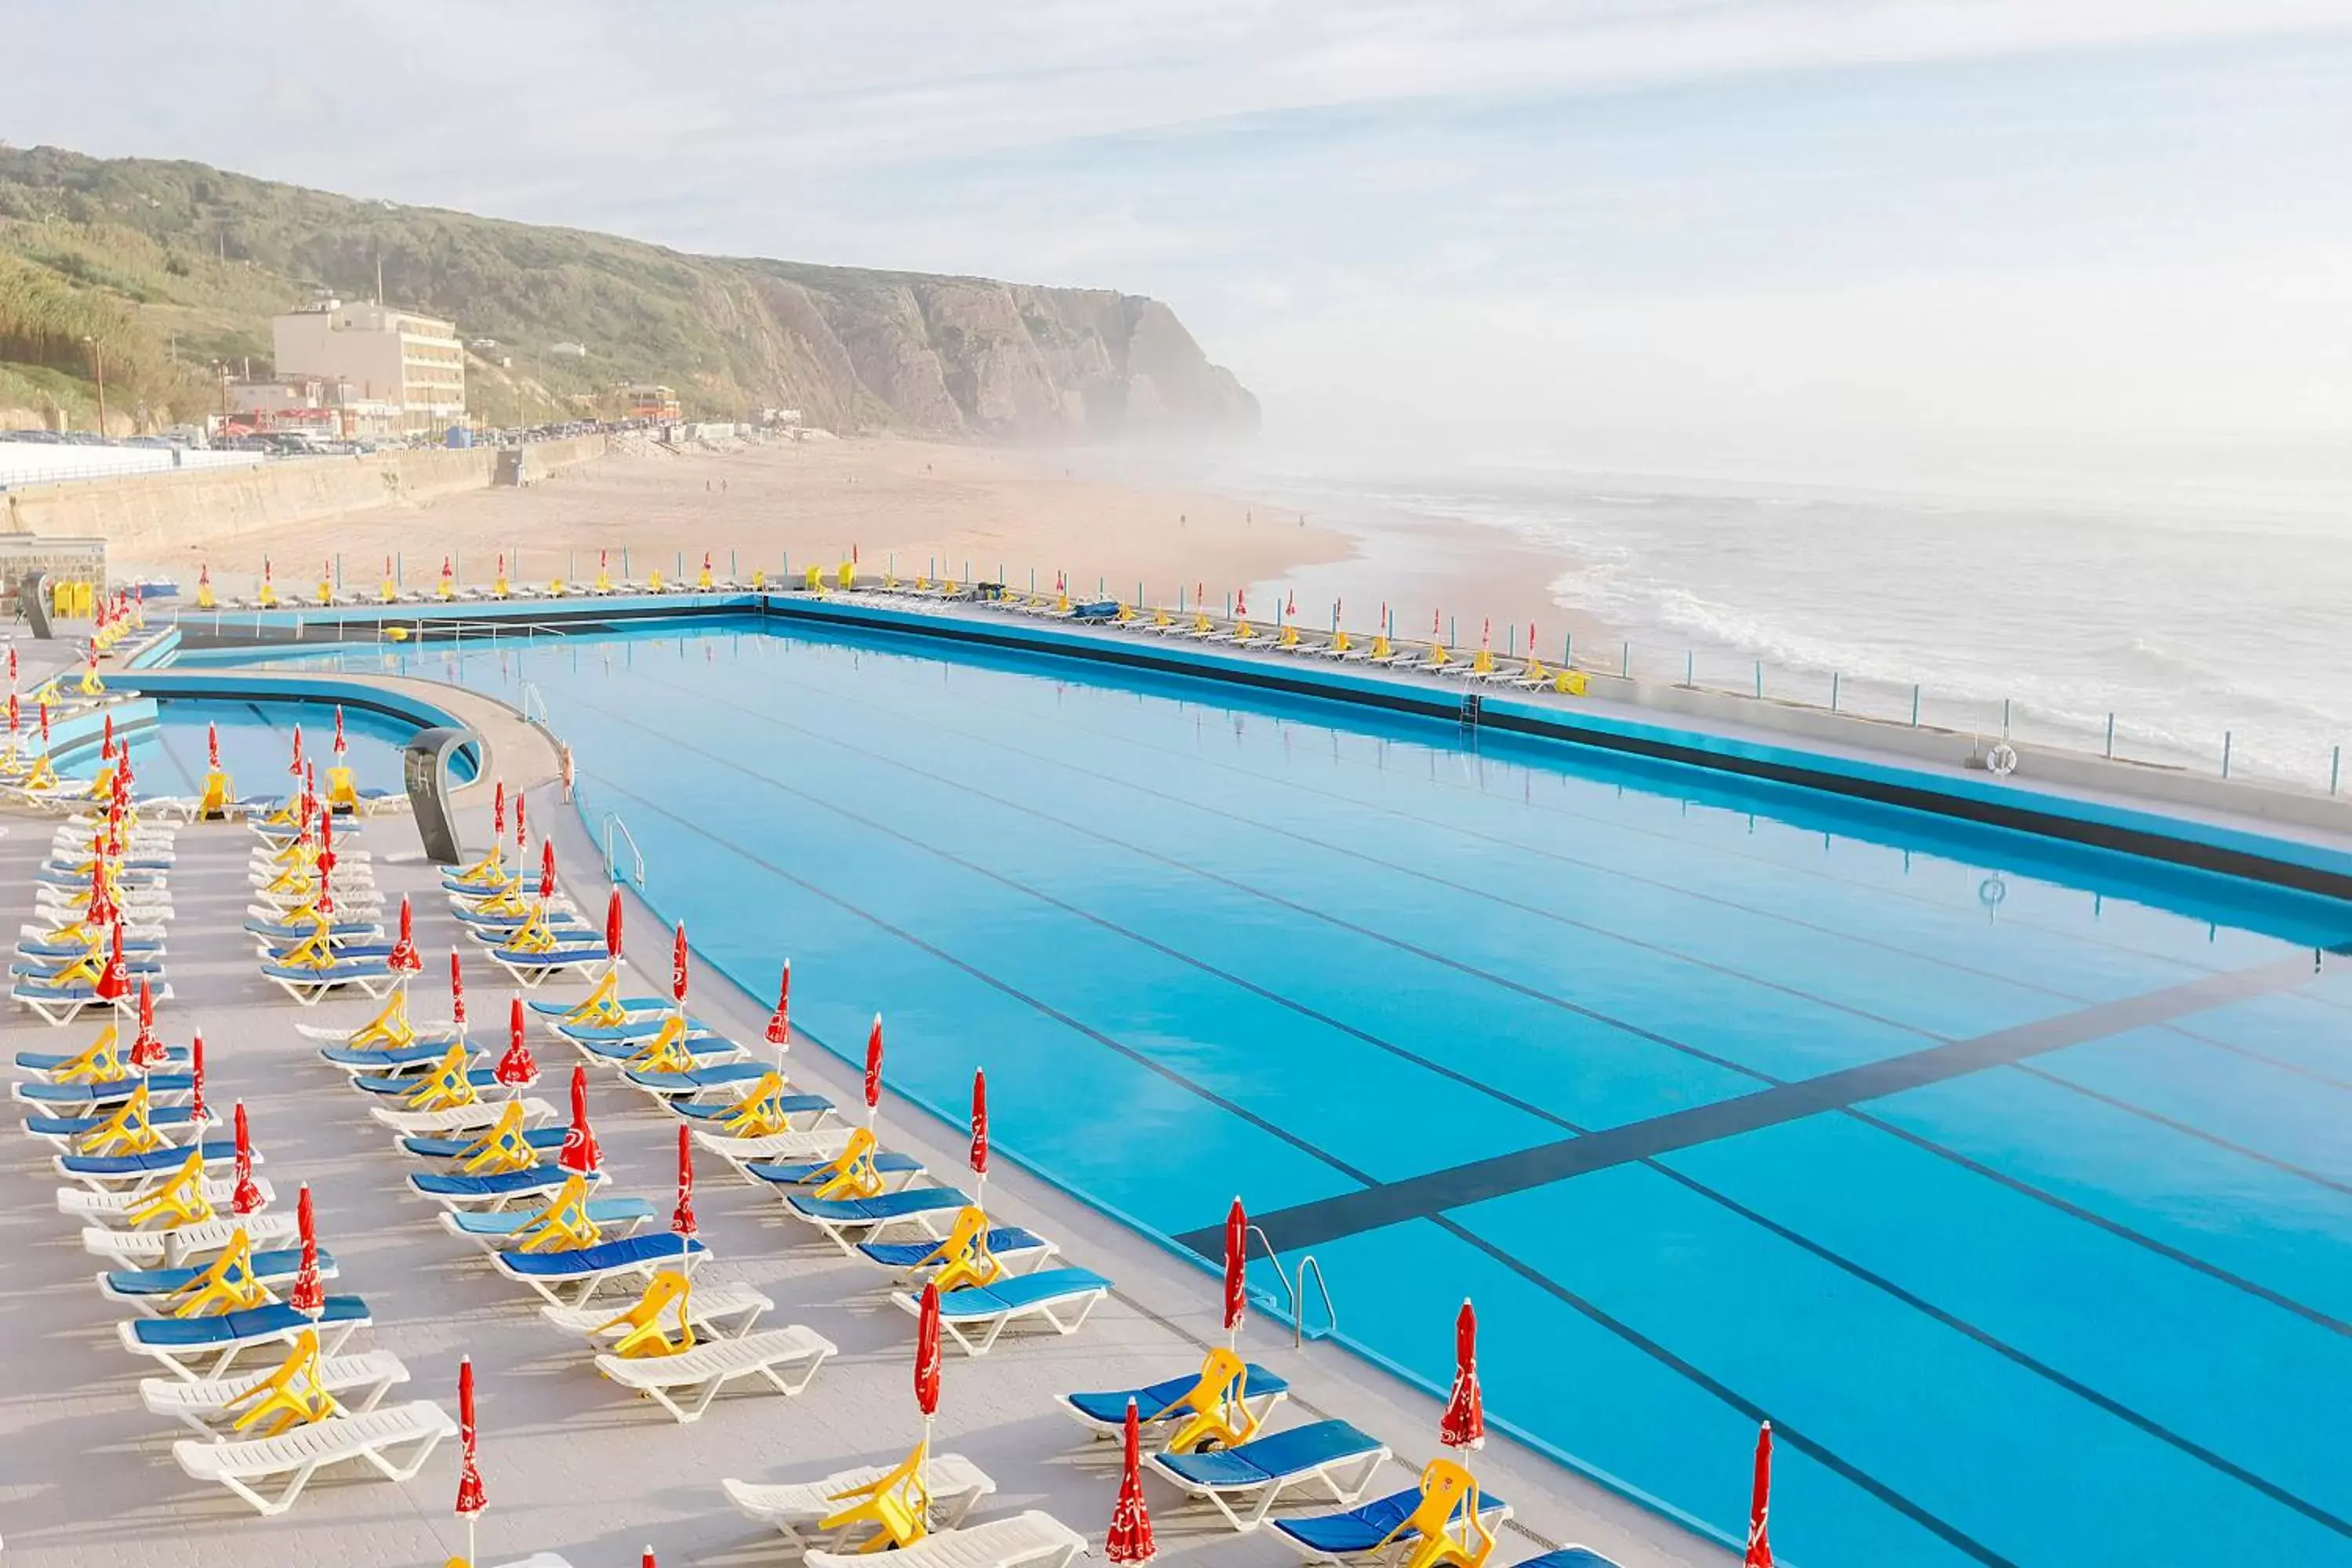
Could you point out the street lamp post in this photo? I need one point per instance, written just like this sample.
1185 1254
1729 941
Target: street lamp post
98 369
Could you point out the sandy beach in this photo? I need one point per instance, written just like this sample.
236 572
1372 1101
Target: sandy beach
920 507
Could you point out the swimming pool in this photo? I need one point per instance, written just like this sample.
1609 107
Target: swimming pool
2006 1177
256 740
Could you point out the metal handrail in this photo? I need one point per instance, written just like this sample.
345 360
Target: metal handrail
545 720
1292 1288
613 823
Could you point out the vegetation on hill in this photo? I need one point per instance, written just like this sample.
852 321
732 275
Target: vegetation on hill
171 271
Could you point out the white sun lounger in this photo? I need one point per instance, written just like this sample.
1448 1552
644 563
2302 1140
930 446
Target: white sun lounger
170 1249
957 1485
1243 1482
1032 1539
478 1117
685 1384
375 1437
358 1384
201 1349
975 1315
110 1209
573 1279
780 1148
726 1311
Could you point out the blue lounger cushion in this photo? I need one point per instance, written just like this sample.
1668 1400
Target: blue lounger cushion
626 1005
281 1263
69 1126
553 958
706 1078
50 1062
342 969
496 1184
810 1170
1569 1557
369 1083
215 1151
546 1140
719 1111
873 1210
1263 1459
1367 1525
28 949
605 1254
1024 1290
251 1322
634 1029
105 1093
50 968
1110 1407
506 1222
297 931
907 1254
399 1057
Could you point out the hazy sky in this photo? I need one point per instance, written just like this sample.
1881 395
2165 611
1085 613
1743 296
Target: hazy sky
1697 216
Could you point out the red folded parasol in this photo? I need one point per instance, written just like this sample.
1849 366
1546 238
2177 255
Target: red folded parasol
1464 1424
1131 1522
873 1070
546 870
1760 1504
678 972
681 1218
579 1152
613 926
146 1047
196 1077
1236 1269
456 990
307 1294
515 1069
114 979
979 1125
245 1197
212 747
404 958
295 767
926 1355
499 810
472 1498
779 1026
340 747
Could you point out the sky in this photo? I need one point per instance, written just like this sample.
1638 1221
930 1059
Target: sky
1685 221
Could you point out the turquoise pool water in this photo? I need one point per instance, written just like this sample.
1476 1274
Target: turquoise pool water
255 742
2009 1180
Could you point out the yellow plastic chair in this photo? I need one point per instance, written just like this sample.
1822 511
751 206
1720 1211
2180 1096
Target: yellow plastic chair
502 1148
219 795
667 1293
758 1114
127 1132
445 1087
534 935
851 1173
342 791
493 864
293 1395
653 581
180 1201
1483 664
601 1008
1446 1522
100 1062
1218 1403
389 1030
898 1505
563 1225
228 1286
1382 651
668 1050
964 1258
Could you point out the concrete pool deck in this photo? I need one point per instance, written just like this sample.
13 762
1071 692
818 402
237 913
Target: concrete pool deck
570 1464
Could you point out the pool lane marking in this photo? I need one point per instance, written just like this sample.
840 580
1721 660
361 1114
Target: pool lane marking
2163 1249
1803 1442
2240 1150
1720 900
1329 1220
1431 955
2025 1361
1772 863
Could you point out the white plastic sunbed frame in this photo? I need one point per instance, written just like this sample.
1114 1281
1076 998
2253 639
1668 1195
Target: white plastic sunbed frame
375 1437
1032 1539
685 1383
794 1508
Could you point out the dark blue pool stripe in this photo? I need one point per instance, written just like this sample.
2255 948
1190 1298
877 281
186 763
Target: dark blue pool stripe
1311 1225
2210 1270
1430 955
1795 1436
2017 1356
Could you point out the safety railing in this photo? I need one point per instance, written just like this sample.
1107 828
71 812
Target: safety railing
531 696
612 824
1295 1288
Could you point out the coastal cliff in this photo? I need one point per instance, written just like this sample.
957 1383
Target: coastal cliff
175 268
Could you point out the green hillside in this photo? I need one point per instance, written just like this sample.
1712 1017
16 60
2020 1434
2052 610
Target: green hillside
174 268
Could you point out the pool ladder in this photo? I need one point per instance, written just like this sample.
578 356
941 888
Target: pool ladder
1295 1286
612 824
531 693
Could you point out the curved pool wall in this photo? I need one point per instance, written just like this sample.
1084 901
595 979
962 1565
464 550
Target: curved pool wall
2018 805
2000 1169
282 700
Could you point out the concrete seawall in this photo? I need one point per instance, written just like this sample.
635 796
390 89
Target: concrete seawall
153 512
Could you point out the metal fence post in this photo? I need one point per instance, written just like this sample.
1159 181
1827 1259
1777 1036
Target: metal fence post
1625 661
2334 769
2004 717
1915 705
2226 738
2111 737
1690 666
1833 691
1759 680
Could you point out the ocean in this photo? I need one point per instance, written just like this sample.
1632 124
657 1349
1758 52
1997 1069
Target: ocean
2203 615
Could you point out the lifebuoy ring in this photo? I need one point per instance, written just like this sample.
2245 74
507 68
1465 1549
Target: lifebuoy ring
2002 761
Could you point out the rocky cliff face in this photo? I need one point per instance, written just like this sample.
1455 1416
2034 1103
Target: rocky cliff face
143 248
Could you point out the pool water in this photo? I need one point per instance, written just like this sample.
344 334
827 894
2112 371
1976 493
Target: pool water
256 741
2009 1180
